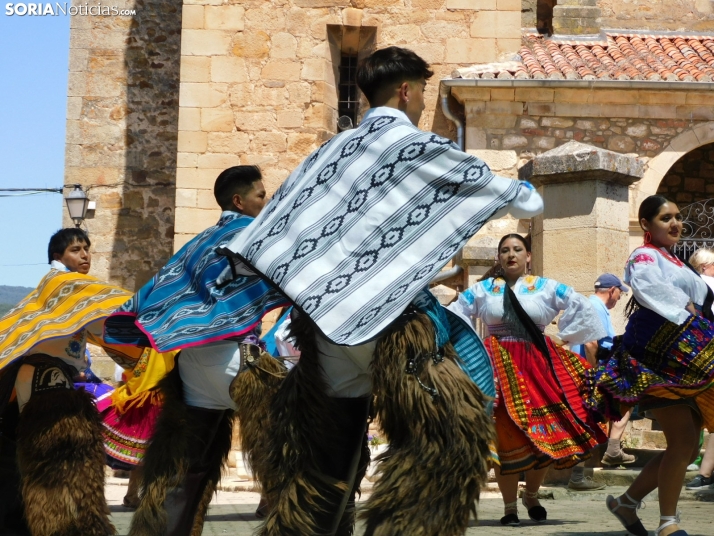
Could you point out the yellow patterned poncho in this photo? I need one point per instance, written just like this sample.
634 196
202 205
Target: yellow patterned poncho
62 305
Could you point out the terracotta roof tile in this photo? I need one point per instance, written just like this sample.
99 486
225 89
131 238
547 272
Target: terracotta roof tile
631 56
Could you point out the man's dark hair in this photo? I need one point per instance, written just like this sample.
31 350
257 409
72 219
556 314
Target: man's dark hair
64 238
388 68
235 180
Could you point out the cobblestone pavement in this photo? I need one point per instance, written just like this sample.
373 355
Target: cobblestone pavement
233 513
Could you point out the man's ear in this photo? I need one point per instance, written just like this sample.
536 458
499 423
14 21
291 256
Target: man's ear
237 201
404 92
56 256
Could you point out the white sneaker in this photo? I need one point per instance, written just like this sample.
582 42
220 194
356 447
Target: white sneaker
692 467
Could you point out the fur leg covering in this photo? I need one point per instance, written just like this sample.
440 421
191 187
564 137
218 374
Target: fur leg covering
61 460
253 390
305 486
183 455
12 513
436 462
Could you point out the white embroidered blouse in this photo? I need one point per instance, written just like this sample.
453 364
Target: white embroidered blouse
663 286
542 299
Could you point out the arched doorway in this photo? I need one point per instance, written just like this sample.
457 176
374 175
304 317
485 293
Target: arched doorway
691 178
690 183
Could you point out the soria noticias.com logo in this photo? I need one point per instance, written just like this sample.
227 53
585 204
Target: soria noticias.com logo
56 9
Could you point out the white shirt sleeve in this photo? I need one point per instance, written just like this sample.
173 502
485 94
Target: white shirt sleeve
579 322
527 204
467 304
471 303
652 290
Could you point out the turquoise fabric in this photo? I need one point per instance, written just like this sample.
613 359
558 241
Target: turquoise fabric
450 327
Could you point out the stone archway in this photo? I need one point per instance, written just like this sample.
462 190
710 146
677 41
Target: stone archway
691 178
659 166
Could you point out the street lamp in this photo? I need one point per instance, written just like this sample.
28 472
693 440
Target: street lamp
77 202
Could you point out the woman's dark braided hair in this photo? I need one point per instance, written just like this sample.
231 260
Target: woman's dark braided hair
648 210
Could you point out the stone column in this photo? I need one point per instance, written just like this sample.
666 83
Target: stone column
584 229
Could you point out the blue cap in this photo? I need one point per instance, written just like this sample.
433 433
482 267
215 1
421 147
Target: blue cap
609 281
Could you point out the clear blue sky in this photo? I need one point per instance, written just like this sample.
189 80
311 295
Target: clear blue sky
33 102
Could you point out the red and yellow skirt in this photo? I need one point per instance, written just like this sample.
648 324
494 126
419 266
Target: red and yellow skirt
539 412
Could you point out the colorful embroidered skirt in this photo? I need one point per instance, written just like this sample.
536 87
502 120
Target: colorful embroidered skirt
656 358
126 436
540 415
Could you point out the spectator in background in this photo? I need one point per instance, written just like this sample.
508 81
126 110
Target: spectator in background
608 291
703 262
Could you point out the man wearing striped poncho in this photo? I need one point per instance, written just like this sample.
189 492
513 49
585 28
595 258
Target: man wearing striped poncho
353 237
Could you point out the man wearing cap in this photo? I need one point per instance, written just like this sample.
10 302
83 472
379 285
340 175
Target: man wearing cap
608 291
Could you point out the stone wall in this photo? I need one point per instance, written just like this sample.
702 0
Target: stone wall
682 15
259 78
122 129
529 121
535 134
691 178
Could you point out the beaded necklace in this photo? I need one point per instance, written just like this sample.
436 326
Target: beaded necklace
666 255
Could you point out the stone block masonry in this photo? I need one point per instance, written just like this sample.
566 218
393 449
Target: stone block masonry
532 120
259 78
122 135
683 15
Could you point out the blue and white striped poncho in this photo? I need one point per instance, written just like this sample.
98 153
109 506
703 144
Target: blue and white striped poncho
367 220
182 307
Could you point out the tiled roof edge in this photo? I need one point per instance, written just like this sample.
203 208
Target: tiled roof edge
658 33
579 84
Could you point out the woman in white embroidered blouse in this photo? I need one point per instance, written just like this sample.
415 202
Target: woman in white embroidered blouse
539 414
664 363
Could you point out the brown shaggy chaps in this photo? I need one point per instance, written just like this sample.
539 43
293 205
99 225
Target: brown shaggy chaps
430 476
61 460
252 391
302 430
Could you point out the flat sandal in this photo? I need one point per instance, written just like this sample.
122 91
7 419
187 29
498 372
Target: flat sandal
636 528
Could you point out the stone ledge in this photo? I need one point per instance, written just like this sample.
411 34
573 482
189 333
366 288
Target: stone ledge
575 12
577 3
477 256
575 162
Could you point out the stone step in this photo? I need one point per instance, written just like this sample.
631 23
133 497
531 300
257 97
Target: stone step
619 476
643 457
564 494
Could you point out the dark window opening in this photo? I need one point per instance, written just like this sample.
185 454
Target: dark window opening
348 101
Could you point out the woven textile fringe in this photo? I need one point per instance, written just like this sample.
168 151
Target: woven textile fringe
61 462
301 427
437 459
252 391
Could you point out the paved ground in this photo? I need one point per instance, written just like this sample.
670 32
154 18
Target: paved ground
569 515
